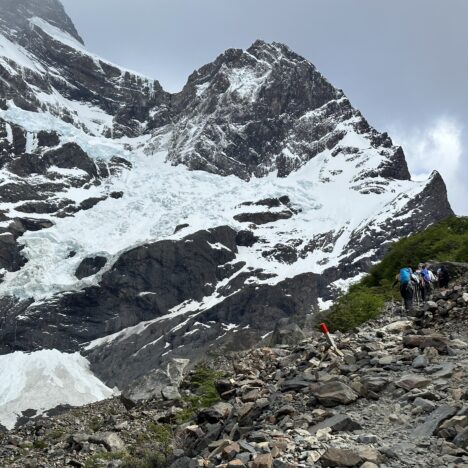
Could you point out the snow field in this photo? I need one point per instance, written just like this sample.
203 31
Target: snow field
44 379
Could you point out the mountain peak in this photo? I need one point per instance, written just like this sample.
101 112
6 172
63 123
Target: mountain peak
16 14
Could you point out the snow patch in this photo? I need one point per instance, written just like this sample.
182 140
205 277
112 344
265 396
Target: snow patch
43 380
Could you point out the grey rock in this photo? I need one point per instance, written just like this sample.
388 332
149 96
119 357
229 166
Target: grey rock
431 423
337 423
217 412
420 362
110 440
90 266
426 405
461 440
334 393
410 381
286 333
367 439
340 457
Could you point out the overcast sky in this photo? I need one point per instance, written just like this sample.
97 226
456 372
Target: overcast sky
403 63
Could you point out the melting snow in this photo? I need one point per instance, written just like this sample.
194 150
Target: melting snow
43 380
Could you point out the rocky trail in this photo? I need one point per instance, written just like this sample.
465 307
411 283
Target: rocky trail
395 395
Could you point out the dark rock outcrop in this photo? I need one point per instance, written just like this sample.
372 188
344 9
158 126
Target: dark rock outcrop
90 266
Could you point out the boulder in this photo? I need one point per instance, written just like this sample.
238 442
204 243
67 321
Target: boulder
334 393
153 384
71 156
429 426
426 405
420 362
340 457
263 217
461 440
337 423
286 333
90 266
110 440
437 341
410 381
263 461
215 413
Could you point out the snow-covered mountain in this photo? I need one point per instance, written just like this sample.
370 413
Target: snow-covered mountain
138 226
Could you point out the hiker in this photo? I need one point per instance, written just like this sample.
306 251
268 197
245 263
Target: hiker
416 286
427 283
406 286
444 277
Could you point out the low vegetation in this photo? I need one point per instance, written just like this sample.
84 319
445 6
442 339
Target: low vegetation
445 241
201 382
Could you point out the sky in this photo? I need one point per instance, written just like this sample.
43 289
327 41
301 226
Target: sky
402 63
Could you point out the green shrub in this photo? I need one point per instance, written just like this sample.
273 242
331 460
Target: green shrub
96 460
96 423
56 434
40 444
162 435
354 308
445 241
150 459
202 383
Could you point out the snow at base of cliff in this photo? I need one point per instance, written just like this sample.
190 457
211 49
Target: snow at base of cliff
43 380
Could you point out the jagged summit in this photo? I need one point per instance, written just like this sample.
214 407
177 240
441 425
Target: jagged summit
18 13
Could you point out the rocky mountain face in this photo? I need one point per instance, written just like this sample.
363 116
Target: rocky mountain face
392 394
138 226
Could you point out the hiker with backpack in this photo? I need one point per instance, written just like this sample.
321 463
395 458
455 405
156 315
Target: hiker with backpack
443 276
427 282
406 286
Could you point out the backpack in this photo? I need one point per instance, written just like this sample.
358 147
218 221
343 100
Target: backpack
426 275
405 276
443 273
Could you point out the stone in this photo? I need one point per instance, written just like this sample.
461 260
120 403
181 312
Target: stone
410 381
340 457
285 411
235 464
251 396
420 362
262 461
335 393
170 392
461 440
374 384
426 405
217 412
110 440
337 423
286 333
153 383
369 454
295 384
429 426
437 341
386 360
231 450
369 465
445 372
367 439
397 327
90 266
